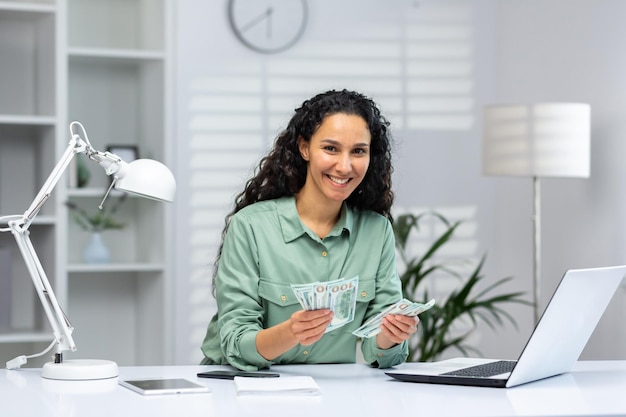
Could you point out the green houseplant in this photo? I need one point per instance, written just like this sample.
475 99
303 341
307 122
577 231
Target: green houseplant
468 304
103 219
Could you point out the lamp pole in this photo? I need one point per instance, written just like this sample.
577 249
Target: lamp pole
536 246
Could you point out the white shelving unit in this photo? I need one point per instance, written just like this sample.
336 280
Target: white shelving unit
104 63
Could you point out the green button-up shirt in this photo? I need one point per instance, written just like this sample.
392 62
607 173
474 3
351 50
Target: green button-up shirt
266 249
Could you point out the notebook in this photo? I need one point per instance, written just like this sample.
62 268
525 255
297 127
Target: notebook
554 346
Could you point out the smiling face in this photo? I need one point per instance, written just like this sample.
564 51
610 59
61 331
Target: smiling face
337 156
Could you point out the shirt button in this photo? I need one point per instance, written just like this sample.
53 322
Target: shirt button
324 253
363 293
283 298
306 352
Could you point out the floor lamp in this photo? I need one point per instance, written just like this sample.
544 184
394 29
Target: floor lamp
537 140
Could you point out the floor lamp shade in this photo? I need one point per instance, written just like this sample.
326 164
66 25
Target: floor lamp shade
537 140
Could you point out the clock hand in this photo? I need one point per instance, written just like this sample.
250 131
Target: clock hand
256 20
269 22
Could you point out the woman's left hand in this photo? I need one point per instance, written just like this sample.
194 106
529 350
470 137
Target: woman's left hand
395 329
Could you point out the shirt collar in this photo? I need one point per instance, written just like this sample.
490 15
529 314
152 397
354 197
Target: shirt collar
292 226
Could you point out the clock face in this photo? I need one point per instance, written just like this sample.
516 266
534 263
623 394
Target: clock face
268 26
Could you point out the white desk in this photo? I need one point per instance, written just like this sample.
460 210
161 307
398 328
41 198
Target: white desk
594 388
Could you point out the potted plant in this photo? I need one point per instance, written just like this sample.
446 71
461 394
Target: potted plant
468 304
96 251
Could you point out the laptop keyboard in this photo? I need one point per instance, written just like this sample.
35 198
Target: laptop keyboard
485 370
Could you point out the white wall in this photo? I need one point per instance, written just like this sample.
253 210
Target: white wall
520 51
569 50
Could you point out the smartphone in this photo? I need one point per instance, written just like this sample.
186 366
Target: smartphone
233 374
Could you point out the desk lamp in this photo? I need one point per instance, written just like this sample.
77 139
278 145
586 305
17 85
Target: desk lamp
537 140
144 177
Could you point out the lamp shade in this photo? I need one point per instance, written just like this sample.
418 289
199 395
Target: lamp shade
537 140
147 178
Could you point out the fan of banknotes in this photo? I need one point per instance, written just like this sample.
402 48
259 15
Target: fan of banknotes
340 297
404 307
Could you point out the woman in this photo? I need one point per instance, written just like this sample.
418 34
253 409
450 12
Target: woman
317 209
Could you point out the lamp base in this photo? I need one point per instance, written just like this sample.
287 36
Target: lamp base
80 369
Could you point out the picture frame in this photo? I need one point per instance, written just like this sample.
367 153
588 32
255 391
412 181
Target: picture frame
127 152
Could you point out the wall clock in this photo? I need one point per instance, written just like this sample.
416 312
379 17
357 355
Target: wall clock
268 26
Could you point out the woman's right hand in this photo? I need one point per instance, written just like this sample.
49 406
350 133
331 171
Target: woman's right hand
303 327
308 326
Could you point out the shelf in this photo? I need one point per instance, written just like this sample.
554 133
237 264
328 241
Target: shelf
97 55
24 9
8 119
94 192
26 337
37 221
114 267
43 220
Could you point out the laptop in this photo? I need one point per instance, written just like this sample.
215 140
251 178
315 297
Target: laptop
554 346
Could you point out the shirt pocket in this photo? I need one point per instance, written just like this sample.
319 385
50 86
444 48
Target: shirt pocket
279 301
277 293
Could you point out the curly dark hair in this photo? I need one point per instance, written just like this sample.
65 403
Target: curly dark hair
282 172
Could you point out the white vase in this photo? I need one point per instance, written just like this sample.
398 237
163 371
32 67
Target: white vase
96 252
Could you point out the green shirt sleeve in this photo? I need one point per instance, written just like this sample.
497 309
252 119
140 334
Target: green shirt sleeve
241 313
388 291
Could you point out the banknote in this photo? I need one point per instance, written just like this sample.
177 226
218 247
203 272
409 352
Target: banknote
338 295
304 294
404 307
